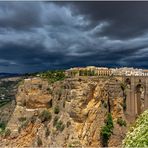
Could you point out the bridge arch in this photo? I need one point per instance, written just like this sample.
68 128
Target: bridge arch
137 94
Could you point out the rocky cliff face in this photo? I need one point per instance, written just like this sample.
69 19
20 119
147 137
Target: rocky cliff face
66 113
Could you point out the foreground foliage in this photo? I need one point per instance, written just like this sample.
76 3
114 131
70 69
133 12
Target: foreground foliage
138 134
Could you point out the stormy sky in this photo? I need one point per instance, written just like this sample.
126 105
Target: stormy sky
37 36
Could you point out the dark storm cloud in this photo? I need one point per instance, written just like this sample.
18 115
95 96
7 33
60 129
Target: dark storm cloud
37 36
127 19
20 15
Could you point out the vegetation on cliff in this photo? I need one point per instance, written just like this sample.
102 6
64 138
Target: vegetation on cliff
2 127
45 116
3 130
138 134
106 130
53 76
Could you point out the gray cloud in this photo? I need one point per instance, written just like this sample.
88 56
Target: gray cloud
127 19
37 36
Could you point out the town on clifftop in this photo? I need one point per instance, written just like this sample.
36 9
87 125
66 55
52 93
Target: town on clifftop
104 71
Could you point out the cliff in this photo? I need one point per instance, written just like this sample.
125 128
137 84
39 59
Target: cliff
66 113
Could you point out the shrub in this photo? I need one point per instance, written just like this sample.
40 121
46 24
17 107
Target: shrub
47 132
110 121
39 141
105 135
60 126
56 110
7 132
19 129
55 120
105 104
123 86
49 90
106 130
49 104
137 136
32 119
121 122
70 145
23 103
124 105
68 124
22 119
64 104
2 126
45 116
24 124
75 144
40 86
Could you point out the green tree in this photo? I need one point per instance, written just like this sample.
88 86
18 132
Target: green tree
106 130
45 116
56 109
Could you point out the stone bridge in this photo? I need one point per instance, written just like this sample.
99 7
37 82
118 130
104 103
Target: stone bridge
136 93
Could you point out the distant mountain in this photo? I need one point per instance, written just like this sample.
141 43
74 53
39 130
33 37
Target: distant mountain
5 75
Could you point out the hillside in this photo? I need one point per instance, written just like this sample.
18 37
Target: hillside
69 112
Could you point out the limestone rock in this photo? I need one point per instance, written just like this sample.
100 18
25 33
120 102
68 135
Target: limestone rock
81 112
34 93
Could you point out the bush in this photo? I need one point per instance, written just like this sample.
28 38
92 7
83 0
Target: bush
19 129
105 104
45 116
7 132
110 121
55 120
106 130
40 86
32 119
64 104
60 126
23 103
24 124
22 119
124 105
123 86
137 136
49 90
56 110
68 124
39 141
75 144
121 122
2 126
49 104
47 132
105 134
